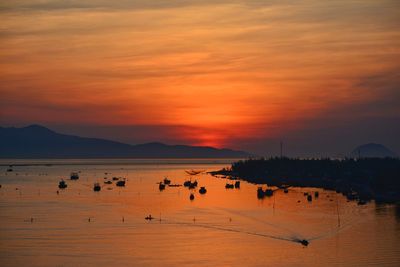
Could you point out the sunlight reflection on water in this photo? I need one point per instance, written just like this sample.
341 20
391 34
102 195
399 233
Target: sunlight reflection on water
223 227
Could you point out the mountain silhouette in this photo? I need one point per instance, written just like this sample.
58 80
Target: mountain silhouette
36 141
373 151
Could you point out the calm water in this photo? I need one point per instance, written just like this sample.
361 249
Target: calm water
221 228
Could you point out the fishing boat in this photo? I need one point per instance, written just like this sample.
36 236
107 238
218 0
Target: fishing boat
269 192
149 218
120 183
74 176
62 184
96 187
194 172
260 193
202 190
161 186
237 184
192 185
304 242
229 186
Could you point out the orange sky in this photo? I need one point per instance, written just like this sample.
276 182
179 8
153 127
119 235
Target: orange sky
217 71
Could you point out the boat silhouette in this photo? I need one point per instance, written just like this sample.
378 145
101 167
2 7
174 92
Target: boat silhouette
74 176
120 183
96 187
62 184
161 186
202 190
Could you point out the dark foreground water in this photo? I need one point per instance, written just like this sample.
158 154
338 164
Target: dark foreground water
224 227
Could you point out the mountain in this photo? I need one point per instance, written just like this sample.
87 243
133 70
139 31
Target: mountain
36 141
373 151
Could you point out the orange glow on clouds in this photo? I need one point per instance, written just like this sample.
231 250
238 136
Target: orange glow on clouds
219 71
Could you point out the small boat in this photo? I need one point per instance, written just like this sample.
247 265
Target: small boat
192 186
149 218
305 194
187 183
120 183
74 176
269 192
229 186
316 194
260 193
9 170
237 184
115 178
309 198
285 190
167 181
194 183
202 190
96 187
161 186
62 184
303 242
108 182
191 197
194 172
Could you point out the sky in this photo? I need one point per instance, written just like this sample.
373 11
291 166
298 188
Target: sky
321 76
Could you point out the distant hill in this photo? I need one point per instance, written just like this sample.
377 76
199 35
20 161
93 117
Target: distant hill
36 141
373 151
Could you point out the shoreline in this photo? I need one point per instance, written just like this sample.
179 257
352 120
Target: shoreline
361 180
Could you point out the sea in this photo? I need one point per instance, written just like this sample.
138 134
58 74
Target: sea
42 225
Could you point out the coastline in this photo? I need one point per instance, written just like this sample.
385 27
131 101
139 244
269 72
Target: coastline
362 180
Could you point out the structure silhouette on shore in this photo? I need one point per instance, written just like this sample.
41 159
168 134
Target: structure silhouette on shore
359 179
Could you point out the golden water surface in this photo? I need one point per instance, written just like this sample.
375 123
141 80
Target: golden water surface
224 227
